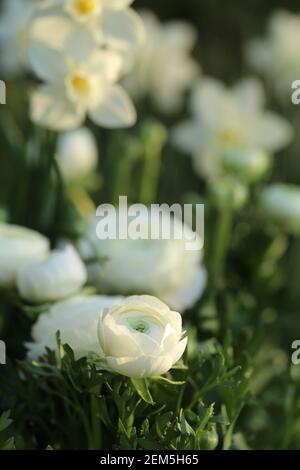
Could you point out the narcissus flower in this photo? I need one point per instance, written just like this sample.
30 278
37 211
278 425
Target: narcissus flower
141 337
163 66
76 319
276 55
229 119
61 23
77 154
19 247
76 88
59 276
281 202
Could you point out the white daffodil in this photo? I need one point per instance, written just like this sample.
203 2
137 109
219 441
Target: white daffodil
77 321
281 202
88 23
164 68
14 34
76 88
77 154
59 276
277 55
161 267
228 120
141 337
19 247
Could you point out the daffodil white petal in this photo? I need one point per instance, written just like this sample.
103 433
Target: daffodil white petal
49 108
116 110
123 28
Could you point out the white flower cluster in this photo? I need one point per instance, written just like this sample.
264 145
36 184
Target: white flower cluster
78 49
40 275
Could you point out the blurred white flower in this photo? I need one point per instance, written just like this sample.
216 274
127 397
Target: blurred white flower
75 88
59 276
277 55
14 34
141 337
76 319
164 268
229 119
77 154
163 67
19 247
64 24
281 202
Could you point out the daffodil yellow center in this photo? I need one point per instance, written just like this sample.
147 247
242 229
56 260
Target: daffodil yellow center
85 7
227 137
80 84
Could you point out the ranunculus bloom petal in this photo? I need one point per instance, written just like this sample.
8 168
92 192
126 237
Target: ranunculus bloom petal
140 367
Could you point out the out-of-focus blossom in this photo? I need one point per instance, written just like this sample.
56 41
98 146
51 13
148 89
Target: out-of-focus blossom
164 268
77 154
281 202
277 55
76 88
225 120
59 276
163 67
65 24
141 337
77 321
19 247
14 35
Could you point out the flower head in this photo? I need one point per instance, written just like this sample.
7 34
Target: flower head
161 267
76 88
19 247
76 319
141 337
228 120
163 66
61 275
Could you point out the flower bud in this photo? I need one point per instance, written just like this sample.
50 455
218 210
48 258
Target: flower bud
77 154
228 193
19 247
61 275
281 202
249 165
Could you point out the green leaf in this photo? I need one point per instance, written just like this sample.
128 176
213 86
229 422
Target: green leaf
5 421
142 389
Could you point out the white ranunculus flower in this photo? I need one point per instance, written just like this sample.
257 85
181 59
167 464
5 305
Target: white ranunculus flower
76 319
164 68
63 24
281 202
141 337
59 276
77 87
14 34
77 154
277 55
164 268
19 247
229 119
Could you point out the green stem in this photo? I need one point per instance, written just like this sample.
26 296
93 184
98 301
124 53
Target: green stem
95 421
221 244
154 138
